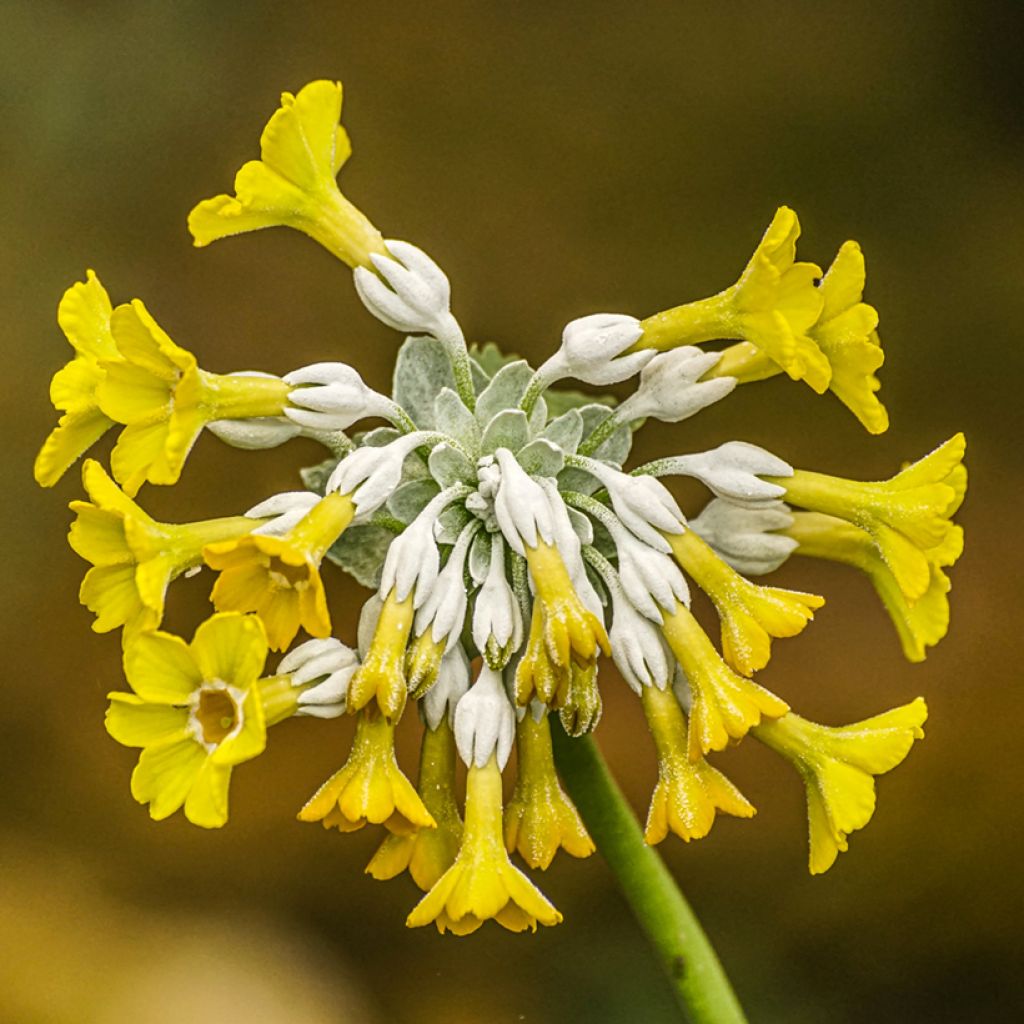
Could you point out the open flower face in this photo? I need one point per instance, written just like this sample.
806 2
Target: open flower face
508 545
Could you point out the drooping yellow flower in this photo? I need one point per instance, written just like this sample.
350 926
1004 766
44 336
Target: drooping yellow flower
540 819
197 710
369 787
134 557
381 677
907 516
750 614
688 793
845 332
427 853
302 148
156 389
278 577
724 705
920 624
838 766
772 306
483 884
561 630
84 317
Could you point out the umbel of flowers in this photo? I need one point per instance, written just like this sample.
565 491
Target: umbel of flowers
508 548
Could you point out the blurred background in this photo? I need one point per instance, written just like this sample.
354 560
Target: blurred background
556 160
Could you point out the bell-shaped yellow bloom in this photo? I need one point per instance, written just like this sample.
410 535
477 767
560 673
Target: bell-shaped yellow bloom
688 794
278 577
921 623
540 819
197 710
427 853
294 182
84 317
381 676
155 388
134 557
772 306
724 705
483 884
750 614
562 631
838 766
908 516
369 787
423 662
845 333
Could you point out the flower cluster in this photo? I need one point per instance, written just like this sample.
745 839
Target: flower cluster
507 547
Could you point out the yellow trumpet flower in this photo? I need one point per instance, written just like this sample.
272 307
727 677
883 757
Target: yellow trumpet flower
381 677
483 884
838 766
278 577
725 705
302 148
688 793
369 787
540 819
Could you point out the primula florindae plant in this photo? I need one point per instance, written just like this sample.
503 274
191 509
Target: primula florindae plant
508 547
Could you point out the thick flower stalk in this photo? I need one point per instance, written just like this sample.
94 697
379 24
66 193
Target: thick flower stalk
508 549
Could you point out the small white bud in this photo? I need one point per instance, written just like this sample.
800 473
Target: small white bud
592 348
371 474
671 389
444 610
283 511
637 648
411 565
649 578
732 470
642 503
521 507
485 722
411 293
452 682
327 660
743 537
497 619
332 396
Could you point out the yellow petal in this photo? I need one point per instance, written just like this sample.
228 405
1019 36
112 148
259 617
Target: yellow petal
110 593
231 647
98 535
251 739
160 668
300 139
84 317
207 802
135 723
165 774
137 449
74 434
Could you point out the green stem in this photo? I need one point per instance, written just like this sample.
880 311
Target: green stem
693 969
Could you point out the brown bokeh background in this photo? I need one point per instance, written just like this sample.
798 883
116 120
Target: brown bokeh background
556 160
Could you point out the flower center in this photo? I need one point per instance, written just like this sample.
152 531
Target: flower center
286 577
215 715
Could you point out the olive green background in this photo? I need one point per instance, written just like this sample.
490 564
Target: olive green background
557 159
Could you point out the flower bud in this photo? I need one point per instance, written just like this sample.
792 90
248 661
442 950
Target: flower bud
743 537
329 661
452 683
637 647
283 510
731 472
497 619
373 473
485 722
671 389
592 348
649 577
332 396
521 506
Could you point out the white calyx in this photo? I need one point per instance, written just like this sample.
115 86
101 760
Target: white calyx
332 396
743 537
329 661
371 474
732 472
411 293
497 619
283 511
521 507
649 578
259 432
671 389
444 610
485 722
637 648
452 683
592 348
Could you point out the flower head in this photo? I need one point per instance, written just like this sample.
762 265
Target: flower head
197 710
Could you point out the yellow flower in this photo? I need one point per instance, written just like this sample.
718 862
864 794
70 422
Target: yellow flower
845 333
134 557
369 787
838 766
540 819
278 577
725 705
750 614
483 884
302 149
155 388
920 624
198 710
772 306
688 793
381 677
907 516
562 631
429 852
84 317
